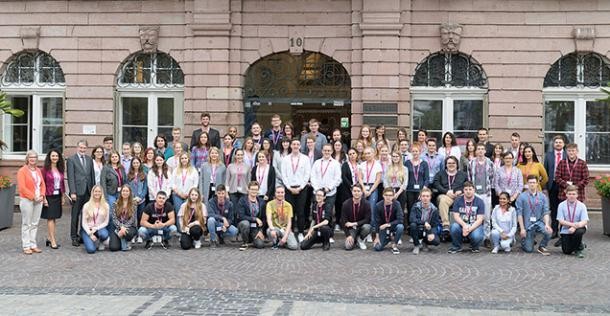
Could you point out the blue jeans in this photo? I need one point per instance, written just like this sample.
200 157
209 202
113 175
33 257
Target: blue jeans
499 242
147 233
373 201
528 243
476 236
177 201
213 225
384 237
102 235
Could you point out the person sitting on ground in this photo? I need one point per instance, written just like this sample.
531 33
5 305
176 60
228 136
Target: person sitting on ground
220 217
389 218
573 218
94 221
279 219
191 216
251 215
158 218
504 220
468 215
424 221
319 229
124 217
534 217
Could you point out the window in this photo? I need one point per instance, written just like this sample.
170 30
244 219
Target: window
35 84
150 97
448 94
571 88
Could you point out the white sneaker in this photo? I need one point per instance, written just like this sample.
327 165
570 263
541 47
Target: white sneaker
400 242
507 249
416 250
331 240
411 240
369 238
337 228
133 240
361 244
101 246
140 240
197 244
301 237
495 250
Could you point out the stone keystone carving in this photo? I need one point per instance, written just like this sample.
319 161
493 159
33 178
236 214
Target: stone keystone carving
149 38
30 36
584 38
451 34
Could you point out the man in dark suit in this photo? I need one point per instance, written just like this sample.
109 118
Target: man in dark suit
551 161
213 135
81 179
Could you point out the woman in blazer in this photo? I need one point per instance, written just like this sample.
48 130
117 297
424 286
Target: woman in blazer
212 173
32 189
112 178
124 219
53 175
264 174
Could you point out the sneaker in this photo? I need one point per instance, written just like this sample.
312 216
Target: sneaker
337 228
243 247
453 250
424 247
275 246
165 244
395 250
369 238
301 237
544 251
580 254
495 250
416 250
140 240
101 247
197 244
331 240
213 244
149 244
557 243
361 244
507 249
487 243
475 250
133 240
400 242
221 240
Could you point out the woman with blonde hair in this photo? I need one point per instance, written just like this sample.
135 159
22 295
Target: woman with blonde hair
95 220
124 219
184 177
32 189
191 216
365 136
212 174
397 178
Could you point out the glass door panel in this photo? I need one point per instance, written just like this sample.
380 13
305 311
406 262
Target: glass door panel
52 123
165 117
134 119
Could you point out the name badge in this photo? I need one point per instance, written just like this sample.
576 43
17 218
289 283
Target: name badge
253 225
219 228
213 188
416 186
319 234
367 187
238 188
533 219
118 189
569 182
160 232
479 187
387 232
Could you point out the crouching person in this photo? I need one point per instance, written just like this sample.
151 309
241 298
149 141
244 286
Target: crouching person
573 218
158 219
424 220
250 210
355 219
388 219
319 230
124 217
192 216
279 219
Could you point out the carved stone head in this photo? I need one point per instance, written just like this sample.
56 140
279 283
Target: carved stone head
451 34
149 38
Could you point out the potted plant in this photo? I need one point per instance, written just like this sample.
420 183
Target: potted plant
602 185
7 201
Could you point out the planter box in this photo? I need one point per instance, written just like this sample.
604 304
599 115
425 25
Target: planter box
606 215
7 206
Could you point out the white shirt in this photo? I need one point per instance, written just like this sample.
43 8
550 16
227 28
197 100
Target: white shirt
172 163
183 180
369 173
326 173
262 174
295 170
156 184
454 151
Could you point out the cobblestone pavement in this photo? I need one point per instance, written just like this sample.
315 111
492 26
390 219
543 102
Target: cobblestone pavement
229 281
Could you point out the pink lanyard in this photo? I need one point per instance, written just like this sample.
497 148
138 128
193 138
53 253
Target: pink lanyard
416 172
325 169
354 168
571 171
184 174
160 181
213 175
239 169
295 166
509 175
320 214
368 172
387 212
260 174
468 208
95 215
571 218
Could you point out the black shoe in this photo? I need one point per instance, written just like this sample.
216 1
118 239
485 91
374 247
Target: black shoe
148 245
47 243
582 246
446 236
221 240
165 244
75 243
487 244
213 244
326 246
555 235
557 243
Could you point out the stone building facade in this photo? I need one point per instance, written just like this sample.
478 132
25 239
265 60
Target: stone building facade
529 66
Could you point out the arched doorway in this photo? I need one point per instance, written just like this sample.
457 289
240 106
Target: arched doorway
298 88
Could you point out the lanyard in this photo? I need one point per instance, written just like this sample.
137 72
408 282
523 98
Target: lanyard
95 215
281 210
447 151
260 175
184 174
239 169
508 172
323 171
227 157
159 213
191 216
450 180
368 171
320 213
276 136
387 212
468 208
213 175
295 166
571 218
355 206
533 207
354 168
416 172
160 181
124 214
253 208
571 171
119 176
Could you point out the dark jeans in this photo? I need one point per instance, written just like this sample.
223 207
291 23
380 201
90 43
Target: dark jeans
321 235
248 234
412 198
115 241
298 206
572 242
77 208
194 234
385 234
417 232
234 197
361 231
553 205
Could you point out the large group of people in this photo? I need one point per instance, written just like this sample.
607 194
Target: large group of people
277 189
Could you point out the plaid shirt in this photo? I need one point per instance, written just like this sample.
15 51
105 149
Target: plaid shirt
488 170
579 177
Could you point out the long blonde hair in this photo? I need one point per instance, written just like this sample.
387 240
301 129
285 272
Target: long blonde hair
396 169
188 205
89 206
118 205
189 169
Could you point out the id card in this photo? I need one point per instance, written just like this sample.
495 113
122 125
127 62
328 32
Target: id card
479 187
238 188
213 188
253 225
219 228
416 186
569 182
533 219
319 234
367 187
160 232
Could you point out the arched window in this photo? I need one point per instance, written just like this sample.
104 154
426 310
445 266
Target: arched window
448 94
571 90
35 84
150 90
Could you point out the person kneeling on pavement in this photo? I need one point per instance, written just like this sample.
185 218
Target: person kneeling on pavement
355 219
424 221
388 218
468 215
220 217
124 217
534 217
319 230
573 218
192 216
158 219
279 218
250 210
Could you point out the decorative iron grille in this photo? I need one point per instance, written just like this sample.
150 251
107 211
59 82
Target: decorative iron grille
449 70
33 68
307 76
579 70
156 70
